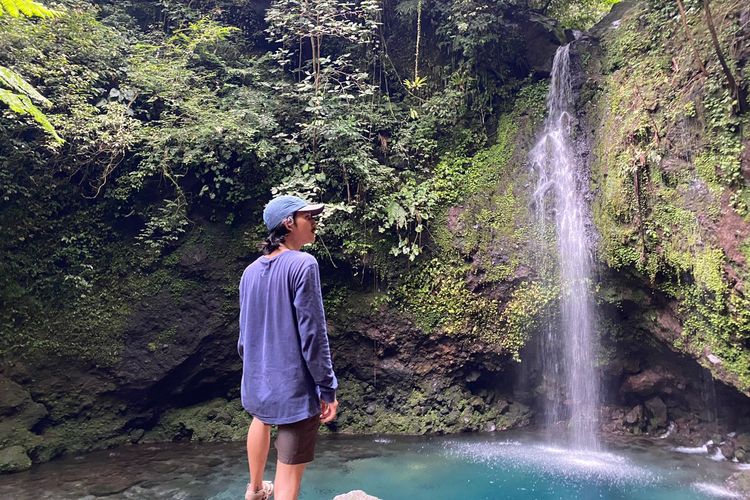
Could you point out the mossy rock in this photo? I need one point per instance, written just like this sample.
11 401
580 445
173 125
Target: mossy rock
215 420
14 459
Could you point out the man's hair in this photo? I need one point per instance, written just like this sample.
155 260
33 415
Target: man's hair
276 237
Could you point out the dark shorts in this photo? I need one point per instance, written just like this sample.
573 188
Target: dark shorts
295 443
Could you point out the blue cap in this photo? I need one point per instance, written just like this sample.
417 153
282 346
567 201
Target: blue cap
282 207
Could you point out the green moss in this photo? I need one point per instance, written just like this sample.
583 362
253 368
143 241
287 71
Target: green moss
660 139
523 312
709 270
424 409
215 420
532 101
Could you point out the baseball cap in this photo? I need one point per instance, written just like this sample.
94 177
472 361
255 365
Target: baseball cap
284 206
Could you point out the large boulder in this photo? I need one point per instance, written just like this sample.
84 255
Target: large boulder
14 459
657 412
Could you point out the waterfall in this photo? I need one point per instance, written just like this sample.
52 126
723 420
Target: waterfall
569 343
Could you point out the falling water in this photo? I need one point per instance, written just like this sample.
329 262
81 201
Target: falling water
569 345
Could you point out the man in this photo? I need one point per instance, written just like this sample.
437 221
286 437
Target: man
287 374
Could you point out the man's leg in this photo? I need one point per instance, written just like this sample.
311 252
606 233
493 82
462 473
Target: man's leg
258 444
287 481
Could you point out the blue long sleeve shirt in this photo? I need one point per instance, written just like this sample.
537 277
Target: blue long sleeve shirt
283 343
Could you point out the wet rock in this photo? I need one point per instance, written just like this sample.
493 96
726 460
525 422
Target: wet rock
743 441
727 449
634 416
135 435
355 495
17 404
14 459
502 406
631 365
740 482
655 380
113 485
658 413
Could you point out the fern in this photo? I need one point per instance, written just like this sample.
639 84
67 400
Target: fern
15 92
14 81
28 8
22 105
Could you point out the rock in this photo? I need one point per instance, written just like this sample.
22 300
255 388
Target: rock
502 406
355 495
17 403
657 411
743 441
540 38
14 459
112 485
655 380
727 449
135 435
713 359
632 365
740 455
490 427
634 416
740 482
14 396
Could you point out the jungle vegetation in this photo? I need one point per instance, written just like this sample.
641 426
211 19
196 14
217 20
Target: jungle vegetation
127 125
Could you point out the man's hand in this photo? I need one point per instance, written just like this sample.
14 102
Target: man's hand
328 411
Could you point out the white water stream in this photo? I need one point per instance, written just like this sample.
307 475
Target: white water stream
570 344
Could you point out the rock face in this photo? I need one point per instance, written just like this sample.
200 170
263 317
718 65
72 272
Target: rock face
413 382
182 382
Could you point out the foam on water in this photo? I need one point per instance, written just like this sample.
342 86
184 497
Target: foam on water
715 490
572 464
697 450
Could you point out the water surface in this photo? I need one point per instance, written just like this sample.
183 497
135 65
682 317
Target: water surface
484 466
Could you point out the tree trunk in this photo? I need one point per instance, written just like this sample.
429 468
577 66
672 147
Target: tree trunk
696 54
735 90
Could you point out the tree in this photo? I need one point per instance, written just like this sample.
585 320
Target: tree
332 85
734 89
15 92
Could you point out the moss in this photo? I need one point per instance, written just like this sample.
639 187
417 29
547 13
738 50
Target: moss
421 410
661 140
709 270
215 420
522 314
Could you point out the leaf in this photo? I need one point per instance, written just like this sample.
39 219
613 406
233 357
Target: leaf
22 105
11 79
29 8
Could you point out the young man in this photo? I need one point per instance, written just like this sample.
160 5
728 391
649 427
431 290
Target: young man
287 374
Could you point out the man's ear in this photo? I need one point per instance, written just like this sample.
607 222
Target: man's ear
289 223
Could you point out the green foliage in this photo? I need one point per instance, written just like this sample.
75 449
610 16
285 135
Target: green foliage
29 8
579 14
436 295
523 314
18 94
668 163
